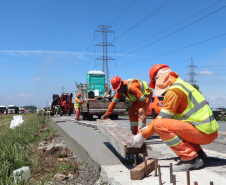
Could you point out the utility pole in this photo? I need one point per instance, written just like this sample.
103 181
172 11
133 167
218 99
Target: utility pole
105 30
192 73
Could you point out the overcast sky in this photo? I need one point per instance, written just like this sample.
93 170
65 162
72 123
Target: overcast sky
45 46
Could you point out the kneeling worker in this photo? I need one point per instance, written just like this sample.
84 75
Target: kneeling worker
185 121
139 92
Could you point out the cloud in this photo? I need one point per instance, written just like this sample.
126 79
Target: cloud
23 95
59 53
205 72
26 52
37 78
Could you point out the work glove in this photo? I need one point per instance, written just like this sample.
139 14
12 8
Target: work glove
138 141
105 116
144 128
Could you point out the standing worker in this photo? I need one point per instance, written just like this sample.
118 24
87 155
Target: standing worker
139 92
56 110
48 112
77 106
44 111
185 121
38 112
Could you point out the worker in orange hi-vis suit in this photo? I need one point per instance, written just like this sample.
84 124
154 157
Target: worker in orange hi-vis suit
139 92
77 106
185 121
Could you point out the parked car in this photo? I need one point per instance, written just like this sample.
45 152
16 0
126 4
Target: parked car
155 106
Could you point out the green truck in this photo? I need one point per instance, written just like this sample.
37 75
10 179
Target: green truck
97 97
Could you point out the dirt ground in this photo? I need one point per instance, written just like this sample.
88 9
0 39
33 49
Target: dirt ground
55 163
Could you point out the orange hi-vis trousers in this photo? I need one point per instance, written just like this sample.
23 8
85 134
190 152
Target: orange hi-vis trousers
137 114
77 113
182 137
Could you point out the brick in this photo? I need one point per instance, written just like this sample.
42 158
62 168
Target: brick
119 138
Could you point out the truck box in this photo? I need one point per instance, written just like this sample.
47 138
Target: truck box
99 108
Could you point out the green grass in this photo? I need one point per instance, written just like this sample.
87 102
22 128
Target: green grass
13 147
6 118
16 151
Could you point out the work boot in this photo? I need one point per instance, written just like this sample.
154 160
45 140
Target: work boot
187 165
202 154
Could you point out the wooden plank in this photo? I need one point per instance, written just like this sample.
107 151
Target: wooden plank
142 150
119 138
138 172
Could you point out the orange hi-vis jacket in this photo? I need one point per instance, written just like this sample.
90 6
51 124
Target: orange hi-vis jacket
175 101
77 103
134 89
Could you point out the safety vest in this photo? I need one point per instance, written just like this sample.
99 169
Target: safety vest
56 108
144 89
198 112
37 111
77 104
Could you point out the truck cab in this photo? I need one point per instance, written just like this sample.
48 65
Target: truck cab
3 109
13 109
21 109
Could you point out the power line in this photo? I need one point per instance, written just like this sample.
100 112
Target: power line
98 35
122 12
172 26
224 34
83 61
145 18
214 65
212 82
212 74
173 32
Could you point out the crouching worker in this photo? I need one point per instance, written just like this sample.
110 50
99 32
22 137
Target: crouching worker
139 92
185 121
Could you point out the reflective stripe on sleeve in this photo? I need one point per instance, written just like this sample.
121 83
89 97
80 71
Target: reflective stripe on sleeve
115 100
142 98
165 114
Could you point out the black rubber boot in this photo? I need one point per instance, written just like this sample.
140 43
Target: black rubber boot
202 154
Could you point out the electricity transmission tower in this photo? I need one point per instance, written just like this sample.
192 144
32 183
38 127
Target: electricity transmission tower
105 30
63 89
192 73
